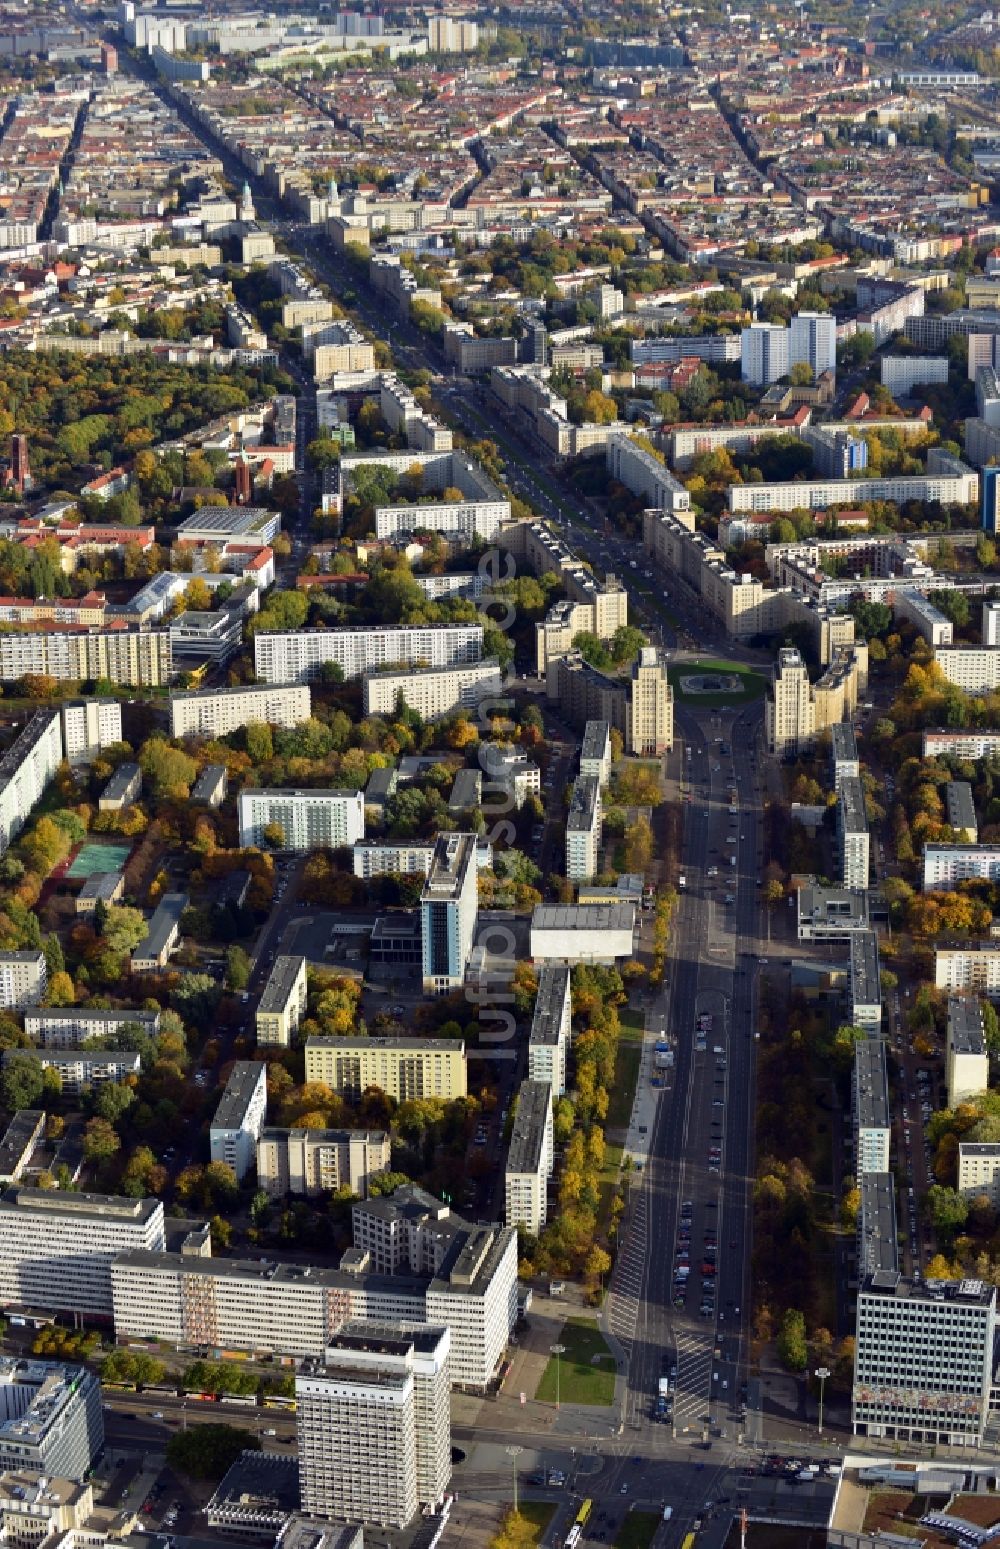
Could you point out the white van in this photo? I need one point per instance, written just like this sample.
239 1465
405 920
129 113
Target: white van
668 1512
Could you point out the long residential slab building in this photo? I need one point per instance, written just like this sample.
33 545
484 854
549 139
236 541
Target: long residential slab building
26 769
217 712
140 658
400 1067
299 656
306 819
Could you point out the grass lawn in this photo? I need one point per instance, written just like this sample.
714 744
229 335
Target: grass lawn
581 1380
632 1023
627 1062
638 1530
753 683
539 1514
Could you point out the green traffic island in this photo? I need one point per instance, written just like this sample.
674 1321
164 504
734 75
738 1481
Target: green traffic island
584 1373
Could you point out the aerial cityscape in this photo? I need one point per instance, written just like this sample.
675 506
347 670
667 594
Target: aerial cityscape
499 775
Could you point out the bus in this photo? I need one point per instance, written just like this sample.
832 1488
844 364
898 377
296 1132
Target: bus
583 1515
688 1542
244 1400
275 1401
573 1537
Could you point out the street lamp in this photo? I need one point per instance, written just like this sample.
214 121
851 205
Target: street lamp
557 1351
822 1372
514 1453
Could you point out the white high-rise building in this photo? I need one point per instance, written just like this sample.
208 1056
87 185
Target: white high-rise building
239 1117
217 712
812 341
307 819
549 1038
449 907
923 1361
530 1158
991 624
89 726
764 353
26 769
583 830
23 977
852 834
299 656
51 1427
374 1424
58 1247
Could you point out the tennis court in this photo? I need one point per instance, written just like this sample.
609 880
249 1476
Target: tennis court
93 858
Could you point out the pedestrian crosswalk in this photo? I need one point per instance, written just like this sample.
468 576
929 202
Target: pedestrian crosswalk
694 1378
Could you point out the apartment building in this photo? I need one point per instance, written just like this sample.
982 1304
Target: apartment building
52 1428
872 1117
25 771
864 987
211 786
878 1247
551 1026
990 623
967 1064
18 1142
23 977
974 669
239 1117
812 341
449 908
923 1362
764 353
583 830
946 864
295 1309
217 712
644 474
979 1170
649 714
432 693
961 811
967 745
300 656
82 1069
529 1158
844 753
122 790
947 480
66 1027
595 751
164 933
58 1247
400 1067
280 1008
852 834
370 858
302 820
373 1422
969 965
311 1162
88 727
789 710
140 658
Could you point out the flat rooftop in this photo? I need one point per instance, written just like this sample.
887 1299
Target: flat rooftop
866 990
244 1081
120 782
852 815
843 743
960 807
527 1140
584 805
966 1033
18 1138
60 1202
550 1002
969 1293
280 983
877 1246
454 855
595 741
871 1085
600 917
353 1045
